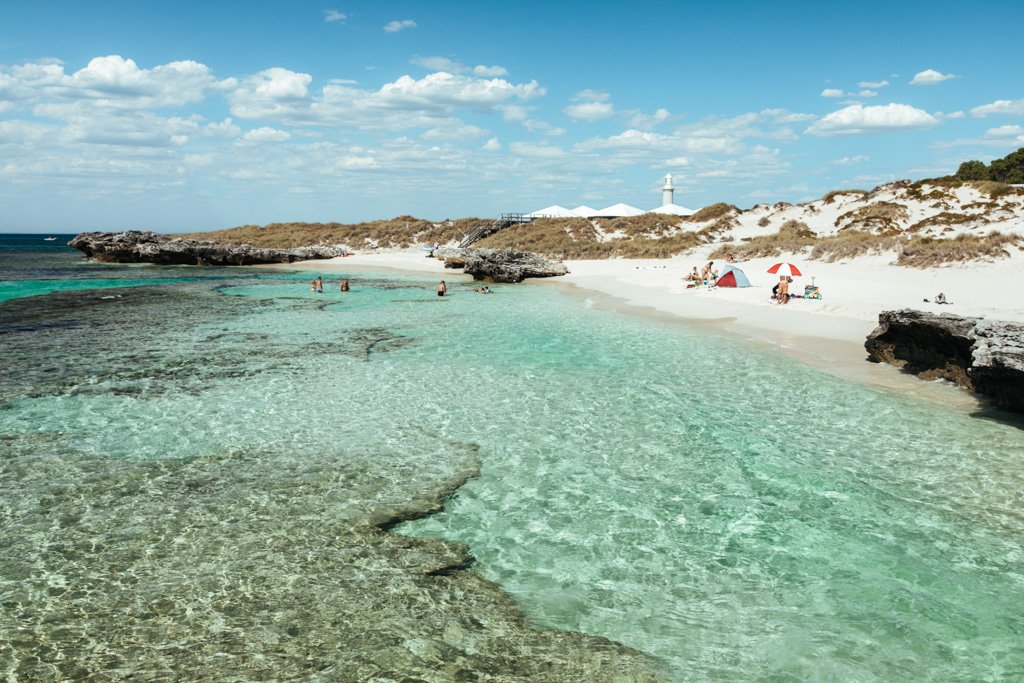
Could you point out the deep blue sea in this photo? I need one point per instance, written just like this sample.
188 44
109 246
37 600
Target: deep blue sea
727 510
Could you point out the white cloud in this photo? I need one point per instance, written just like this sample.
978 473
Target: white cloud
872 84
225 128
590 111
111 82
1005 132
591 96
399 25
331 16
1000 108
955 115
141 129
199 159
999 137
454 130
858 120
492 145
590 105
489 71
449 89
786 116
266 134
930 77
438 63
402 104
648 121
867 93
851 161
832 92
537 150
280 84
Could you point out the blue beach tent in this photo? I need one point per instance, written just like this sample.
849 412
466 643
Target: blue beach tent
732 277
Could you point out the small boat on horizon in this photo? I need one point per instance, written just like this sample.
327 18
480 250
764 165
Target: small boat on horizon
49 239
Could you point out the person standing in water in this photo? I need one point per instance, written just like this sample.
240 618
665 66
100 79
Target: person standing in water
319 285
344 285
442 289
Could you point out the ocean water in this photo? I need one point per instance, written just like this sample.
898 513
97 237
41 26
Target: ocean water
730 512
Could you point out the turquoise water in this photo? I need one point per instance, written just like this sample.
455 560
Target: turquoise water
731 512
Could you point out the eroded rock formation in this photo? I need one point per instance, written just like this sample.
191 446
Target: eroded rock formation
984 356
501 265
133 246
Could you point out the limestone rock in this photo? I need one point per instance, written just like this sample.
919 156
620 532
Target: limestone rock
983 356
133 246
508 265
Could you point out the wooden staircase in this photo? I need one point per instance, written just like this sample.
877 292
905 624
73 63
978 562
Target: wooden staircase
488 229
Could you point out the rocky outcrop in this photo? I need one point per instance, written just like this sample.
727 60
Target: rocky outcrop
133 246
501 265
984 356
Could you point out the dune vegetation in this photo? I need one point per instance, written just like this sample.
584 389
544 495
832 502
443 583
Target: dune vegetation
924 223
398 232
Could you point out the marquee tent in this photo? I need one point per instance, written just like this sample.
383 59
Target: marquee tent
619 210
673 210
554 211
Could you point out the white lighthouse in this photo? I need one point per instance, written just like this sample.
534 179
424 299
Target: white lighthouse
667 191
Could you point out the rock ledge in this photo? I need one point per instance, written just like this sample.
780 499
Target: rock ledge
984 356
134 246
501 265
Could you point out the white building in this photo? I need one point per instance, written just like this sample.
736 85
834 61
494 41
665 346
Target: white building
620 210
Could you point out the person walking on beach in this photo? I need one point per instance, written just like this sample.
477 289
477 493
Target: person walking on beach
442 288
344 285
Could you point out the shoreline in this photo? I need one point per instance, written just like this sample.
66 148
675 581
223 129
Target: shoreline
827 334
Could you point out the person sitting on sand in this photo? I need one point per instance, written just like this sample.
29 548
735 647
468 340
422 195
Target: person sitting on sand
344 285
940 298
442 288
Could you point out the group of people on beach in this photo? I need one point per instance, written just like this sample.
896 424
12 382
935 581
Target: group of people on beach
708 275
317 285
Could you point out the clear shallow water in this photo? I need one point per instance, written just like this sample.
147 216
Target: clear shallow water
733 513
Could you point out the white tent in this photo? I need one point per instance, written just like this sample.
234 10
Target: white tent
618 211
553 211
584 210
673 210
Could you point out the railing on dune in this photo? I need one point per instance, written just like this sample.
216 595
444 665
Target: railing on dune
488 229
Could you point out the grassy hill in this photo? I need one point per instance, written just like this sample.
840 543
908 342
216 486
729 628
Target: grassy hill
398 232
962 217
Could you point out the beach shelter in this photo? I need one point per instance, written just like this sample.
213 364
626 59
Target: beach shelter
554 211
619 210
585 211
673 210
732 277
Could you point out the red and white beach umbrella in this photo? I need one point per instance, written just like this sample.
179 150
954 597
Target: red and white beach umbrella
785 269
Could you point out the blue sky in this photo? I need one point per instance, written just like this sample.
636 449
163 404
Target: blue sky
193 116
